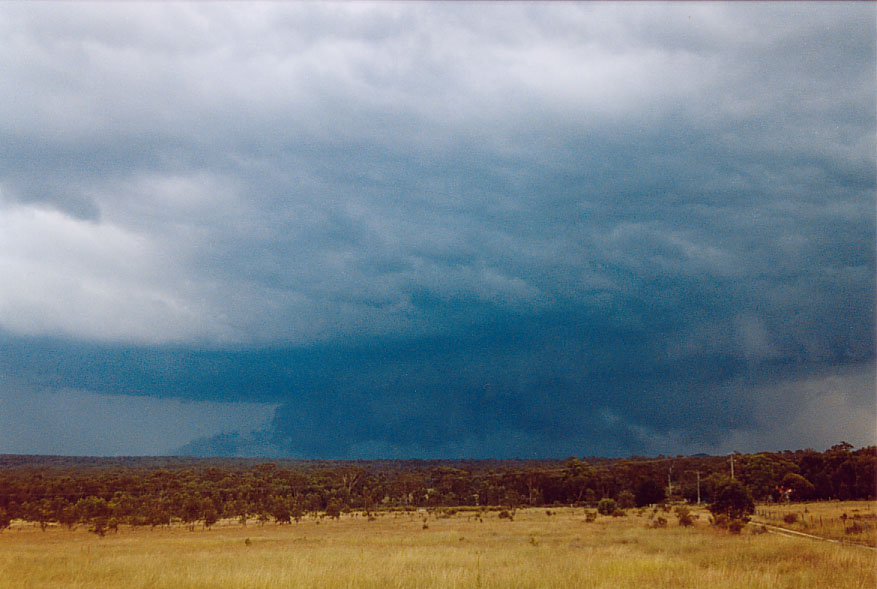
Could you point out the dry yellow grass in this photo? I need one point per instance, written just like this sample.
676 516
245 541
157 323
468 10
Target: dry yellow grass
534 550
826 519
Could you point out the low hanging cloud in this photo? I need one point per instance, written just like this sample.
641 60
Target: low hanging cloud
445 230
69 422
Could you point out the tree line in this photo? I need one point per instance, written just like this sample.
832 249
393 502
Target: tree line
105 493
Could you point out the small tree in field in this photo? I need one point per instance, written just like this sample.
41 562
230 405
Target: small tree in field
607 506
5 520
733 501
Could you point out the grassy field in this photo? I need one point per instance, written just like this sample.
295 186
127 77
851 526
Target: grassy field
848 521
462 550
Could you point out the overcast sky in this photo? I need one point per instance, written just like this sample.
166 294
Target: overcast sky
357 230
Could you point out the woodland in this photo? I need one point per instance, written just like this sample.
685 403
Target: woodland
104 493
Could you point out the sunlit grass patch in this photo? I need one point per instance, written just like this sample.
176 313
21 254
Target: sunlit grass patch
531 551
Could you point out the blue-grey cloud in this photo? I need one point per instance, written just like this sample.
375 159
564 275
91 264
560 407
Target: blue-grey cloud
445 229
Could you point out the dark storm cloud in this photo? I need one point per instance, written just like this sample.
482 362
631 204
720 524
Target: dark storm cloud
446 230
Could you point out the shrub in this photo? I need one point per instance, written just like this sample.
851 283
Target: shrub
790 518
856 528
590 516
659 522
504 514
606 506
98 526
733 525
683 514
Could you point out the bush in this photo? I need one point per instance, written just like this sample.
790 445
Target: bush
590 516
606 506
790 518
759 530
733 525
856 528
683 514
504 514
98 526
659 522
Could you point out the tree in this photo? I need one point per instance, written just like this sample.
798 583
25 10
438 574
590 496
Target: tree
648 492
5 520
280 510
576 477
333 509
732 500
626 499
802 489
209 512
296 513
191 511
762 472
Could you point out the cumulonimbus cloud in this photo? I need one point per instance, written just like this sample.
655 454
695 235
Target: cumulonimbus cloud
624 205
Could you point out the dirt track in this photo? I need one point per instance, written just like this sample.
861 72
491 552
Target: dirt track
792 533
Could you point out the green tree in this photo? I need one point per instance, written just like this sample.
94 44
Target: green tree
763 472
209 512
732 500
296 513
281 510
802 489
577 475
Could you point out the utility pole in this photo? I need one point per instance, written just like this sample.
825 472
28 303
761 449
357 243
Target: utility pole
698 487
732 466
669 482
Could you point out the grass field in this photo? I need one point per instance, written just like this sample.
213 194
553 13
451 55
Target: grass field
462 550
848 521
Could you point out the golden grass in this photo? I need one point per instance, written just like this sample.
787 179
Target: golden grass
825 519
534 550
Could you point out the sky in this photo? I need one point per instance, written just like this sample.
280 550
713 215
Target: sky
436 230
